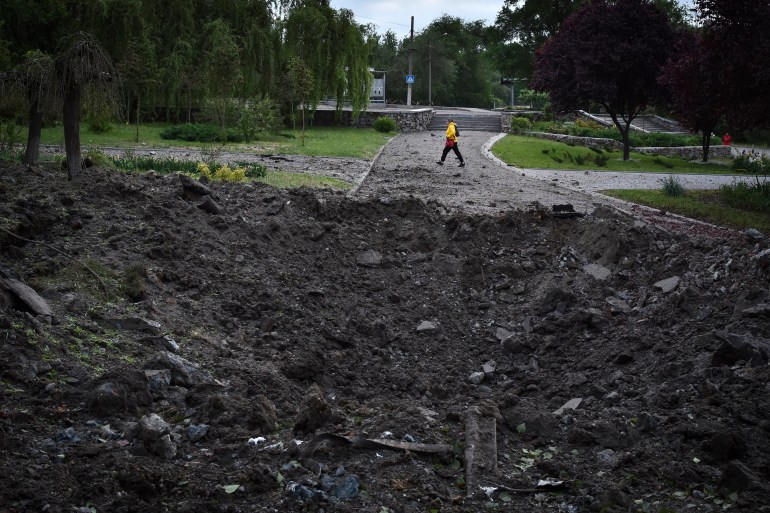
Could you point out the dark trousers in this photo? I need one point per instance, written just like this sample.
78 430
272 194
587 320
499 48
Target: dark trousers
446 151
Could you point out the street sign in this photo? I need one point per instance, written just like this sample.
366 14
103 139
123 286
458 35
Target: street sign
506 81
410 79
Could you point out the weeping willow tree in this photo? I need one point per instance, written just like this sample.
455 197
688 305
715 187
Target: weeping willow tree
36 78
336 51
83 71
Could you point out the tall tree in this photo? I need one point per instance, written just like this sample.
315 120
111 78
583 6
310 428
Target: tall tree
81 67
300 81
221 66
139 70
696 97
36 78
737 38
610 53
523 27
335 49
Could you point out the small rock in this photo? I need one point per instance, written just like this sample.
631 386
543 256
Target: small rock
152 427
426 326
369 258
754 235
208 204
347 489
668 285
599 272
572 404
476 378
737 477
196 432
608 458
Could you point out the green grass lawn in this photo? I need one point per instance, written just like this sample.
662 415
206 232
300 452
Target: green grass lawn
284 180
535 153
702 205
361 143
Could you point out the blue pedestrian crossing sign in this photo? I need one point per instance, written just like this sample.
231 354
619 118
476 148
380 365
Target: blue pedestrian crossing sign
410 79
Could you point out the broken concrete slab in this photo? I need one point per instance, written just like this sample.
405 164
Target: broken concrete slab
26 295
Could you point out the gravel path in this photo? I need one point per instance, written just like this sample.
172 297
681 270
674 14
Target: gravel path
406 166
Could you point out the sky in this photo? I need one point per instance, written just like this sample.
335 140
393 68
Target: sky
396 15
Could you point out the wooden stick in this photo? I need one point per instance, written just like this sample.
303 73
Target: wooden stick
103 285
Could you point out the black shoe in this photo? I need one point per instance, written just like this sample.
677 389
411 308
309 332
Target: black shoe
462 164
440 162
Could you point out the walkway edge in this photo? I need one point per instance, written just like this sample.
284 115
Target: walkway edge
363 177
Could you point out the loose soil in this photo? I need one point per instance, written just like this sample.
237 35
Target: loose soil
230 347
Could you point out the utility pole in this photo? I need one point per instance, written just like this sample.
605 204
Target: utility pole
411 50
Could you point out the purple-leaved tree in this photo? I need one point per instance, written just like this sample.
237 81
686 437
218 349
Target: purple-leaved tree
610 53
695 95
737 39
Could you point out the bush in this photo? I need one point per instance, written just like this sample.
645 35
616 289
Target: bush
163 165
385 124
253 170
226 173
134 282
587 123
99 124
750 196
10 134
752 162
259 117
672 187
194 132
520 124
96 157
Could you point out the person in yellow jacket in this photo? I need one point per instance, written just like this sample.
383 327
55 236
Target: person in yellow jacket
451 144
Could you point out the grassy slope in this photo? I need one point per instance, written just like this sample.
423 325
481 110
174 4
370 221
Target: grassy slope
536 153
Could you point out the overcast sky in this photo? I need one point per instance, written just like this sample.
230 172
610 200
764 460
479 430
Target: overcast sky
395 14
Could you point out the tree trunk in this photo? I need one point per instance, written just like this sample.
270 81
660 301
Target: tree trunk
72 130
706 144
626 143
623 128
138 102
33 137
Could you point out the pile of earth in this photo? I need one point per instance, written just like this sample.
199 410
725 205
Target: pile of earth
171 345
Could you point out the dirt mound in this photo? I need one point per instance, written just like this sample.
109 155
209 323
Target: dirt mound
232 347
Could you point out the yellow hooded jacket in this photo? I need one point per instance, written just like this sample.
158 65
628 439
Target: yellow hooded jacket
451 131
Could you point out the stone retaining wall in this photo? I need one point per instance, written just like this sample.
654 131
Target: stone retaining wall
590 142
415 120
688 152
505 118
685 152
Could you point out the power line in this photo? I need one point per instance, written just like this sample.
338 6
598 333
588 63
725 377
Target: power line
381 21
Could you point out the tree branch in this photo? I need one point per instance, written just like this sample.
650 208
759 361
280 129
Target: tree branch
101 282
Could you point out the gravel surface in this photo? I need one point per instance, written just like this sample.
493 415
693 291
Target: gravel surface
407 167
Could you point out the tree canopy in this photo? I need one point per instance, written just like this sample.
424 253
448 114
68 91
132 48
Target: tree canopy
178 54
736 36
694 92
609 53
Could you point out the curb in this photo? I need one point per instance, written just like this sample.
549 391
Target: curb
363 177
